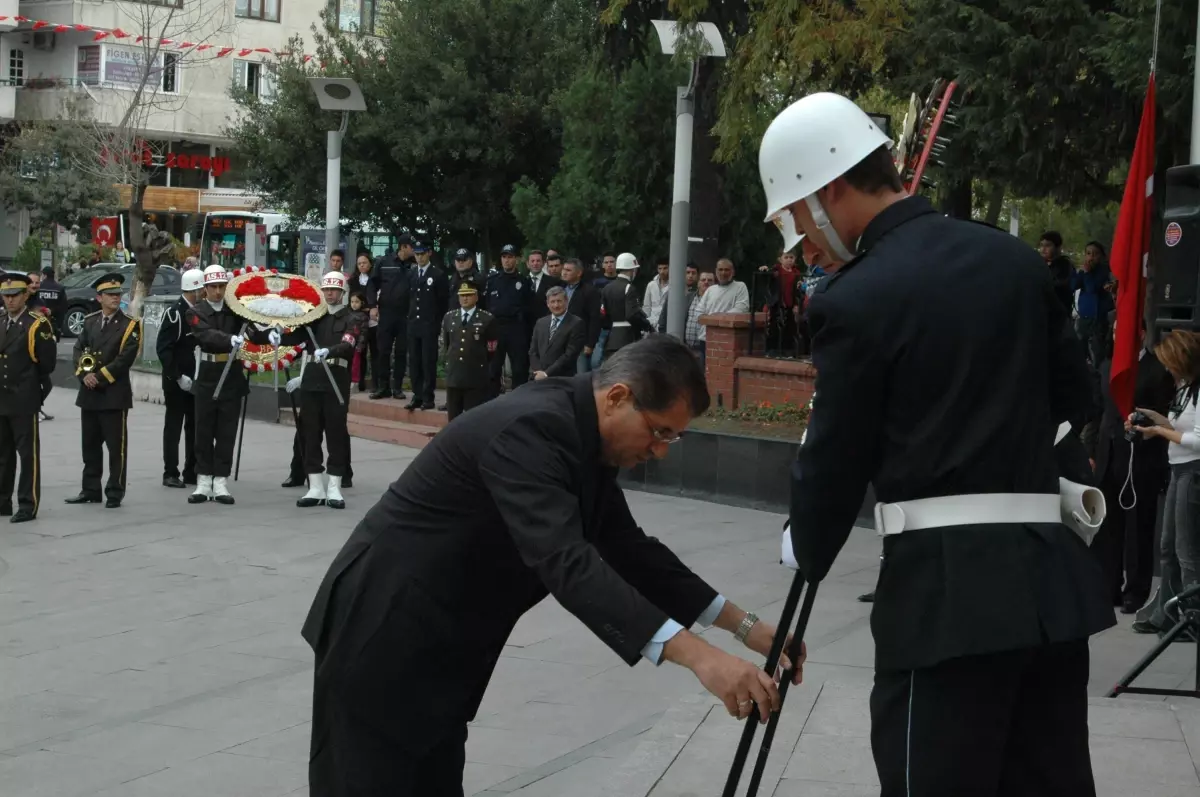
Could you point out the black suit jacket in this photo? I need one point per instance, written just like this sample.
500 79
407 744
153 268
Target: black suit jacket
506 505
585 305
115 348
27 358
945 364
557 357
175 345
429 297
537 297
1155 390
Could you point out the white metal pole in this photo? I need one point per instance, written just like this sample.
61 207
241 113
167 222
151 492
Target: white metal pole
333 193
681 211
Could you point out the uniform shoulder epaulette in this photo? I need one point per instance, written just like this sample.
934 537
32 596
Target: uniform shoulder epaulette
94 312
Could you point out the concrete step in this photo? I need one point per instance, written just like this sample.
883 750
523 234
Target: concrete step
393 410
413 435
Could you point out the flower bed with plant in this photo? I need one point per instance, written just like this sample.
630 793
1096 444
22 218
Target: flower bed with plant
785 420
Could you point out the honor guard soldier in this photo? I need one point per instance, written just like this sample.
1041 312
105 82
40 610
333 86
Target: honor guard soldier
27 357
321 413
105 350
945 364
465 335
623 314
509 299
391 289
176 349
427 305
219 333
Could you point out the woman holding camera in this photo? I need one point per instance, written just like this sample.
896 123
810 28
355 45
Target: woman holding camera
1179 352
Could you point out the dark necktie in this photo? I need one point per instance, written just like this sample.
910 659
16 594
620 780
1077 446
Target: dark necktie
553 326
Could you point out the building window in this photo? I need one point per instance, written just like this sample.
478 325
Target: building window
356 16
256 78
267 10
170 73
16 67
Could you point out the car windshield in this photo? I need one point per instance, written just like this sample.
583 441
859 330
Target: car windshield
85 277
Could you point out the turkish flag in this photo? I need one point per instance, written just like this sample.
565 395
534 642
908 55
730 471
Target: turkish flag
104 231
1130 255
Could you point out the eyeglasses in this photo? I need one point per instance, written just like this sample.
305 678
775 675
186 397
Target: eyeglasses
660 435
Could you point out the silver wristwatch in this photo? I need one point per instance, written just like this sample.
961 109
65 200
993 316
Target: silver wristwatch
743 629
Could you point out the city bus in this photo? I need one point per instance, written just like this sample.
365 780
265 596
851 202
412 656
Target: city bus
223 238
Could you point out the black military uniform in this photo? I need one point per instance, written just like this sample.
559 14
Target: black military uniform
465 336
106 349
53 296
429 298
509 300
945 364
176 347
622 314
391 289
216 416
27 358
321 414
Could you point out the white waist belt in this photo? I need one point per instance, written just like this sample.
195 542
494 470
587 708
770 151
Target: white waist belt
621 324
1079 507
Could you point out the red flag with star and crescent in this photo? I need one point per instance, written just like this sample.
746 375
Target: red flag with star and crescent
1130 257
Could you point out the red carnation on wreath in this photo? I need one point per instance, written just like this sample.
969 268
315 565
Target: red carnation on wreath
301 291
256 286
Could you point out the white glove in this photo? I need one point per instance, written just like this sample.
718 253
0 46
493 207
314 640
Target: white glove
788 556
320 354
274 337
236 341
292 384
185 382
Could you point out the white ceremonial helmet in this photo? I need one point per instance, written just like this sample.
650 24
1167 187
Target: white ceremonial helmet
787 228
215 274
334 279
191 280
811 143
627 262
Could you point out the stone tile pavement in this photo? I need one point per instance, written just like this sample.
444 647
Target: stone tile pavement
154 650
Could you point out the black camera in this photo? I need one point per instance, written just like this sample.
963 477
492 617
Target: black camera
1137 419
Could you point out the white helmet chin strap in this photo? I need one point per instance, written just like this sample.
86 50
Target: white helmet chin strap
821 219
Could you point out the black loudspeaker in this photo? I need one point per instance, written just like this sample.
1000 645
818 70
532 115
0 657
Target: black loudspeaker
1177 276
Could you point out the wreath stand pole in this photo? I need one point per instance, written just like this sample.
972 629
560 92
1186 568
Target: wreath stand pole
237 466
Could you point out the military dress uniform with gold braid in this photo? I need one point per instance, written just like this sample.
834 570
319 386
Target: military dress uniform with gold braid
27 357
465 336
107 348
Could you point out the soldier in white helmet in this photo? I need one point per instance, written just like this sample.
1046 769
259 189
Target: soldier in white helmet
219 334
322 415
945 365
621 309
176 353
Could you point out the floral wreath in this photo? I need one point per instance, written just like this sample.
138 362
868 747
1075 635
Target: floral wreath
272 300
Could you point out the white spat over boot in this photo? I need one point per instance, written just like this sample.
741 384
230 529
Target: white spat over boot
333 497
221 491
316 491
204 490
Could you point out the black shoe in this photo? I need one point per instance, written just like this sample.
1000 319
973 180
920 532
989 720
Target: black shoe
400 394
5 510
22 516
1145 627
296 481
197 498
443 408
227 500
112 503
173 481
381 394
1131 605
84 498
868 597
362 388
414 405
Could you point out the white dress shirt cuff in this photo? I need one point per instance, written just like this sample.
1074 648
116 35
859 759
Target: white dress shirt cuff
654 648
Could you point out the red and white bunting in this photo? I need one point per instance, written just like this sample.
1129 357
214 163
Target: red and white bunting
116 33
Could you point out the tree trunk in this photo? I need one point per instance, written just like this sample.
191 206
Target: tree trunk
955 198
147 266
708 176
995 205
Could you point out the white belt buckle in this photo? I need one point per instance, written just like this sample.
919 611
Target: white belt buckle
889 519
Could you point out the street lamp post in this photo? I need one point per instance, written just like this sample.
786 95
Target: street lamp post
335 94
669 37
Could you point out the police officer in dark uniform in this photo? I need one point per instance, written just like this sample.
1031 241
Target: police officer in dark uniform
508 298
104 352
322 414
27 358
465 270
53 296
945 366
391 288
176 349
465 336
429 297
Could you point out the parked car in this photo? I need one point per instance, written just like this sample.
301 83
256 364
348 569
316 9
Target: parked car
81 298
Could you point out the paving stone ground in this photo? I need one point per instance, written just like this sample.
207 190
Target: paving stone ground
154 651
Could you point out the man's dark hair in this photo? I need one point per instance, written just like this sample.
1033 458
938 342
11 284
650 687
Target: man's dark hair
663 261
574 261
1053 237
691 267
338 253
555 256
608 254
659 370
875 173
536 252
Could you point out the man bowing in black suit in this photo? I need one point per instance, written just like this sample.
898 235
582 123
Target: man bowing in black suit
945 365
557 339
415 610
